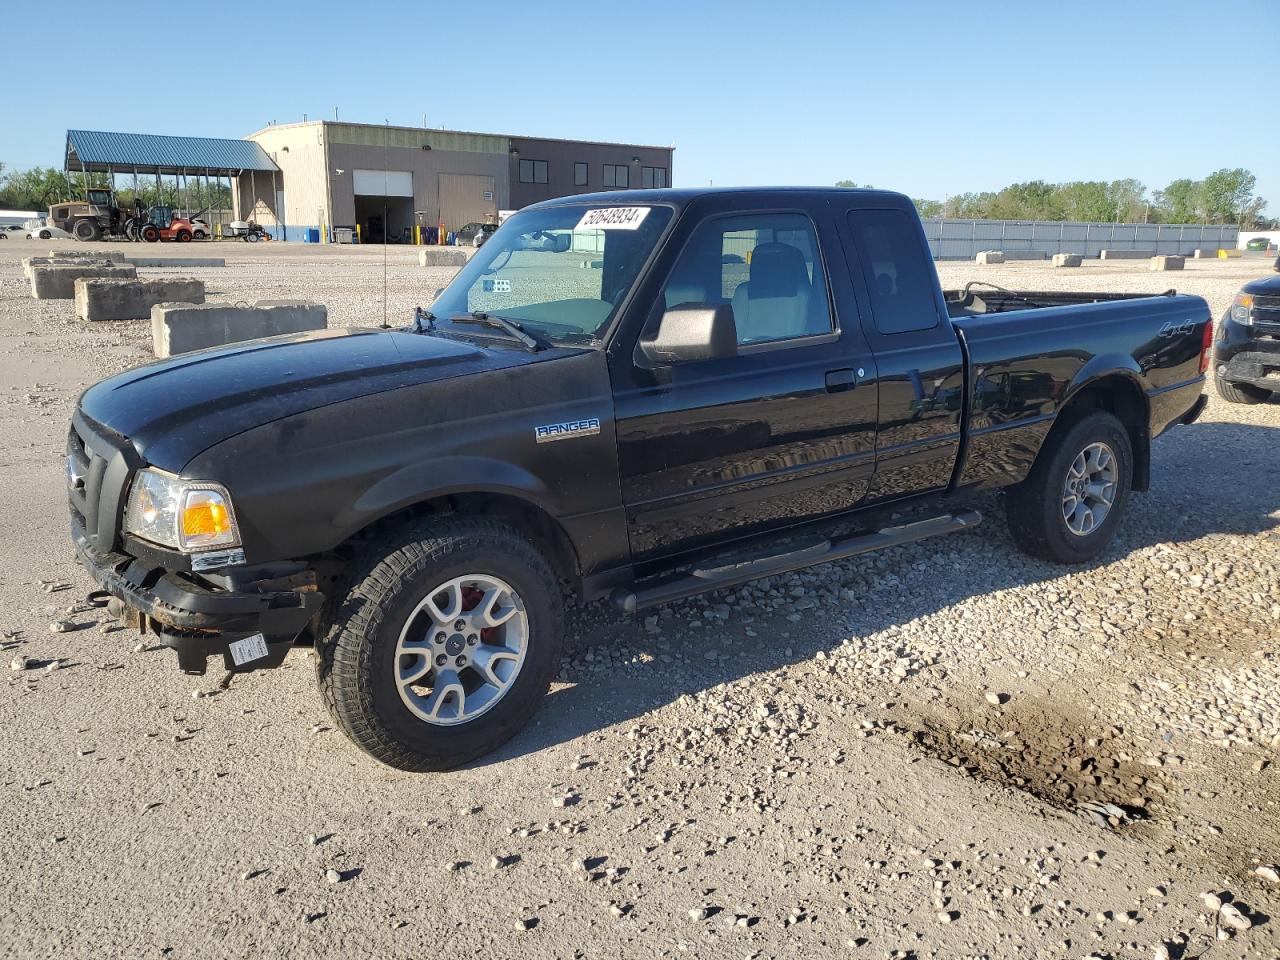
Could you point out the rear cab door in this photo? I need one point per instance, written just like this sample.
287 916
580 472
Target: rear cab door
920 364
781 433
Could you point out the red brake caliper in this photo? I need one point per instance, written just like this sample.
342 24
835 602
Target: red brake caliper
471 597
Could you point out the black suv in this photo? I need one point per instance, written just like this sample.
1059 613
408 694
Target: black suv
1246 351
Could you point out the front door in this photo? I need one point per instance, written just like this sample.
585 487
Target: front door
779 434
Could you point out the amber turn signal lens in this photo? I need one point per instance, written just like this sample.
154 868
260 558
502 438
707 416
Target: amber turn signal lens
207 519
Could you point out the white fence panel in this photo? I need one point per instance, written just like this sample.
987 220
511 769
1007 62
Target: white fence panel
953 239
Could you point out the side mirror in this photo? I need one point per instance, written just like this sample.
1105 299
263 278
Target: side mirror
693 331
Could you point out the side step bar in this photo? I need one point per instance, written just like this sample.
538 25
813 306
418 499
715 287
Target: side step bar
691 584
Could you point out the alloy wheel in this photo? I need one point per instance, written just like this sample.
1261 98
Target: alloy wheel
461 649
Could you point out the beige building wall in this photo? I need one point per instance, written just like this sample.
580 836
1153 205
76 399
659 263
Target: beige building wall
317 161
298 149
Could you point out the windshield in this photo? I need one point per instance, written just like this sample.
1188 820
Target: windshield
560 271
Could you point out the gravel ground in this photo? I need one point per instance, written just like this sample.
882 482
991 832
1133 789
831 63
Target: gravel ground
885 757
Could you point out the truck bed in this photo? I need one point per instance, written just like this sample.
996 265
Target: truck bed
992 299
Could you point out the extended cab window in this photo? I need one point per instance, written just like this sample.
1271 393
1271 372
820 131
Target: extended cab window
895 269
766 266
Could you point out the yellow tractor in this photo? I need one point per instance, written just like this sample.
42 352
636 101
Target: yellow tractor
91 219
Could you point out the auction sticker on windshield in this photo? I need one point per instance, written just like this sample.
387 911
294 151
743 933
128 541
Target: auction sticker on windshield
613 218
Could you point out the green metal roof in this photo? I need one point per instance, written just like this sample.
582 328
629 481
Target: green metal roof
98 151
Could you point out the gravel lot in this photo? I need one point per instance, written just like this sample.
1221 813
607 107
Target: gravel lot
880 758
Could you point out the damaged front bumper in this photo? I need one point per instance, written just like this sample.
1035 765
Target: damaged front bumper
198 621
1255 367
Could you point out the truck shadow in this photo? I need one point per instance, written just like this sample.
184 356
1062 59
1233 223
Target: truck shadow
1207 479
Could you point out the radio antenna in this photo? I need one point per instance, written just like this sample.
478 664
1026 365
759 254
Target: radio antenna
386 129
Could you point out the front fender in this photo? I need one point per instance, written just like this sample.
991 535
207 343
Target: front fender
437 478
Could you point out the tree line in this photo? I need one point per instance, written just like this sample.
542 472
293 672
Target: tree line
1225 196
38 188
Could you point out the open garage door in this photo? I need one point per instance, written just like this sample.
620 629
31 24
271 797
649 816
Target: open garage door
377 183
466 198
384 205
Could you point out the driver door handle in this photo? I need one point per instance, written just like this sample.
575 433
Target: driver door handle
841 380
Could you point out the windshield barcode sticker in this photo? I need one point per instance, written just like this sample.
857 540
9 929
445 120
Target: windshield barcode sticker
612 218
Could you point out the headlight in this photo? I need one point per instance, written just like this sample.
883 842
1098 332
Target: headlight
188 515
1242 308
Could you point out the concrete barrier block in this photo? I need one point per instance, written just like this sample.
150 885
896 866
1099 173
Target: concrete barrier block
58 281
442 257
1126 254
181 327
177 261
1066 260
1168 263
990 256
29 262
132 299
116 255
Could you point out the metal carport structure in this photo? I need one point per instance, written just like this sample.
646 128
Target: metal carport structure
97 151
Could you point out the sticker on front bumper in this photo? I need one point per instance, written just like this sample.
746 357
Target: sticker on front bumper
216 559
249 649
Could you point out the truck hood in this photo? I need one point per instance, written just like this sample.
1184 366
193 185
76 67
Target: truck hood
174 409
1267 286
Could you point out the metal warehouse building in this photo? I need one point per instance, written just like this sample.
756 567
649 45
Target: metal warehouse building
334 175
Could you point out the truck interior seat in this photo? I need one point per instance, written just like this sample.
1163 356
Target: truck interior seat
677 292
777 300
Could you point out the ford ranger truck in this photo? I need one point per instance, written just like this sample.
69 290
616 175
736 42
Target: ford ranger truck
641 395
1246 350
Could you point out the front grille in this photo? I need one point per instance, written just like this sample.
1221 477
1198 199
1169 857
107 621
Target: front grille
99 467
1266 314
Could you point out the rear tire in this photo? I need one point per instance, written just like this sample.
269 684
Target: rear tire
1240 392
149 233
87 231
1037 508
359 662
184 236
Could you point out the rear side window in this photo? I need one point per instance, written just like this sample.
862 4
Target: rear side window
897 276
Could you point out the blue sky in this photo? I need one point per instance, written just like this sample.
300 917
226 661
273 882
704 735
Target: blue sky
928 97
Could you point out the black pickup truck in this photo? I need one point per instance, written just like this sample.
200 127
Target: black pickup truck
641 395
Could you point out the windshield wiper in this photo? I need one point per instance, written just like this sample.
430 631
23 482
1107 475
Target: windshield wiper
495 322
424 321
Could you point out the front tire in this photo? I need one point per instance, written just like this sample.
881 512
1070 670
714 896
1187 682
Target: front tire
1072 502
1240 392
443 643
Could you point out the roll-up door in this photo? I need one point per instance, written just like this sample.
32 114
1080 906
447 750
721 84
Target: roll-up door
383 183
